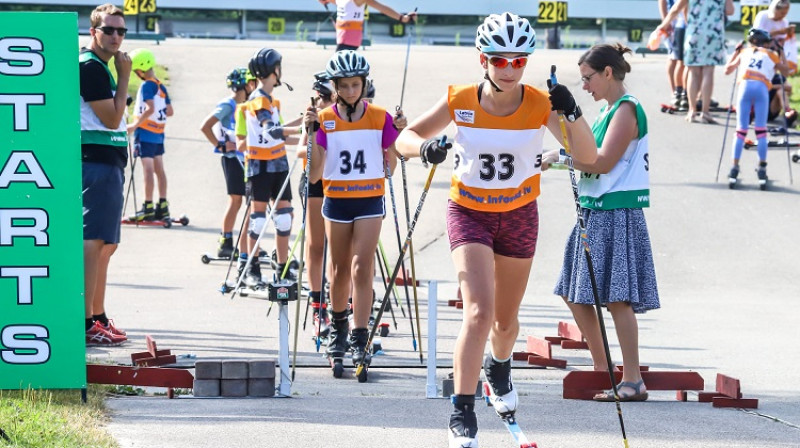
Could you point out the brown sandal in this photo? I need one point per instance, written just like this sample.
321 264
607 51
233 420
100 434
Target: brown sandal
638 395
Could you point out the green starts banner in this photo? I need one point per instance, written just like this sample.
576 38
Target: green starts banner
41 229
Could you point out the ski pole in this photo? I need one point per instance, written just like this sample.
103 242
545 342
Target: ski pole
322 301
225 286
405 69
397 266
411 255
238 238
399 243
728 118
394 286
309 147
130 181
585 243
384 278
786 130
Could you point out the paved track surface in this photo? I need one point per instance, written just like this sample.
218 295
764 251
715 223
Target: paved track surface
725 260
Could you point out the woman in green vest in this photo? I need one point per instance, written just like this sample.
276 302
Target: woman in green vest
613 191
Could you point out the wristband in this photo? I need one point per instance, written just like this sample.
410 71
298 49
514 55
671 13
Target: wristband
576 113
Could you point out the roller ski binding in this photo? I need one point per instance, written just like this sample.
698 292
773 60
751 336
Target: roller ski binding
337 343
252 277
463 426
361 355
761 172
322 323
157 215
499 392
733 176
291 273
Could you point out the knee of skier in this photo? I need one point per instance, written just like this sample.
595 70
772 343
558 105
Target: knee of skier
741 134
761 133
283 221
257 222
478 317
506 329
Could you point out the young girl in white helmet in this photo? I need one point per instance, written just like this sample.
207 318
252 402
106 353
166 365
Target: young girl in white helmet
492 215
350 151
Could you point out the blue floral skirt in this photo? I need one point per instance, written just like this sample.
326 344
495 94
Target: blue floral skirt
621 257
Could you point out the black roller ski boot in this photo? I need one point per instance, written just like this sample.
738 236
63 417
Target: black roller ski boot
463 425
322 323
733 176
253 276
761 172
290 273
162 210
498 391
337 342
225 250
361 355
147 213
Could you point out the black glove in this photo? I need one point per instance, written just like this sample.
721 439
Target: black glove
562 100
276 132
431 151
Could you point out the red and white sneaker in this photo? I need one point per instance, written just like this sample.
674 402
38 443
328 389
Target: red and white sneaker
114 330
99 336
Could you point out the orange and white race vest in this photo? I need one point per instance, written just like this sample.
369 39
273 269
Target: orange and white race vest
156 122
349 16
261 145
497 159
354 158
758 64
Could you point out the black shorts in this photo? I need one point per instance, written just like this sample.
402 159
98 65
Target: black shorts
266 186
234 175
314 190
341 47
347 210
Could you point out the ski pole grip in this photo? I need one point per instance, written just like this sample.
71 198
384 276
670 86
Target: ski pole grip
553 79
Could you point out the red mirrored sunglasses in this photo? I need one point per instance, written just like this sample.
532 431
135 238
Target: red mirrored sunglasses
501 62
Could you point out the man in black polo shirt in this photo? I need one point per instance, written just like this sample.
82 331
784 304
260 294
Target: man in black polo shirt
104 143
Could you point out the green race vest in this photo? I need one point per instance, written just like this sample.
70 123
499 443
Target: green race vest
93 131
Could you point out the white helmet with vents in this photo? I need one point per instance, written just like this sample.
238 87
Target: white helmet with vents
347 64
505 33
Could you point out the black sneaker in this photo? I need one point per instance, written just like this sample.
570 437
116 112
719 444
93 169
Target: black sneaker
253 276
225 249
463 426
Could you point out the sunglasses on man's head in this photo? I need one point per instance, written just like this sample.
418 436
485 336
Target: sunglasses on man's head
109 30
501 62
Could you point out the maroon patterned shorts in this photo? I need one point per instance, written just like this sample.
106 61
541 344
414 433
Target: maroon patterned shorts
511 234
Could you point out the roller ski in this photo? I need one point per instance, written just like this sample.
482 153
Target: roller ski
279 268
463 425
155 216
362 357
338 343
322 323
499 392
208 257
778 144
779 131
733 177
796 157
761 172
225 251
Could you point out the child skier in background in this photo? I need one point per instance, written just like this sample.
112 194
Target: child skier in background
218 128
152 108
757 65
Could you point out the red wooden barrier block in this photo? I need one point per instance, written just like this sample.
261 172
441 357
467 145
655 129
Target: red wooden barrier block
452 302
653 380
540 347
725 402
569 344
728 386
569 330
153 356
520 356
547 362
139 376
682 395
404 277
554 339
459 305
707 397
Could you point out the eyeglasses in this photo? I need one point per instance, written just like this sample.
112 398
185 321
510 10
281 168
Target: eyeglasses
586 79
109 30
501 62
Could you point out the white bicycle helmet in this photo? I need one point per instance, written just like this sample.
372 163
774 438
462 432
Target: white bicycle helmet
505 33
347 64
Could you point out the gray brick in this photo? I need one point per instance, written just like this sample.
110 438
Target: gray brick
206 388
262 368
234 370
261 387
208 370
448 388
233 388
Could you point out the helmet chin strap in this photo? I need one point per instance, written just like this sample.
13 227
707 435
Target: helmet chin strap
351 108
486 76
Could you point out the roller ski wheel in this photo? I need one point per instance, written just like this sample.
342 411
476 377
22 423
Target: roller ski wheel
205 259
383 330
795 158
733 176
763 180
361 374
337 365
